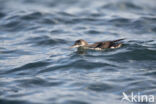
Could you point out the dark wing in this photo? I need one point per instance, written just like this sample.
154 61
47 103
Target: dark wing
108 44
104 45
118 40
94 45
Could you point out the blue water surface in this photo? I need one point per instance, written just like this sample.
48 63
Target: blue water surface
38 67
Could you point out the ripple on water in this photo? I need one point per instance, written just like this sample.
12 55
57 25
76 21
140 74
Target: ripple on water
45 40
27 69
2 14
124 5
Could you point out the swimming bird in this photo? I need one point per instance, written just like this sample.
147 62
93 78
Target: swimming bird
98 45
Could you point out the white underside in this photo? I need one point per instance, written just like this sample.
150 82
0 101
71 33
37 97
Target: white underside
100 48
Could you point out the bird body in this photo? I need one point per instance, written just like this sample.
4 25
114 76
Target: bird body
98 45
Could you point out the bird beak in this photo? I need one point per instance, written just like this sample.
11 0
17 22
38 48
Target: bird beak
74 46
